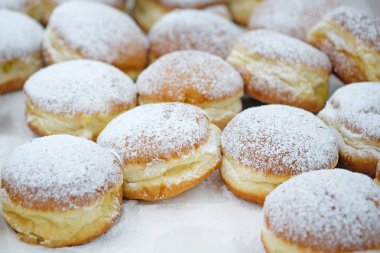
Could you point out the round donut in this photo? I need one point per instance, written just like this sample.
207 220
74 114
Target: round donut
292 17
280 69
265 146
77 97
323 211
89 30
197 78
242 9
353 113
147 12
192 29
20 49
61 190
351 38
165 149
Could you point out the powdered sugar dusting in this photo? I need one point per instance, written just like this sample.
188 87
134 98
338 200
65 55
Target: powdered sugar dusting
177 74
111 2
193 29
156 131
20 35
277 46
280 139
60 168
330 210
190 3
13 4
80 86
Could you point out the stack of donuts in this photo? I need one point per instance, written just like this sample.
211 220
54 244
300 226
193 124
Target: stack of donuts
144 101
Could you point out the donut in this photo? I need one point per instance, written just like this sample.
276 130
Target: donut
351 38
192 29
292 17
353 113
264 146
89 30
30 7
20 49
280 69
147 12
242 9
323 211
77 97
61 190
197 78
165 149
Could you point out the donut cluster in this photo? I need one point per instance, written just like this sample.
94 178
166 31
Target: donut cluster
146 106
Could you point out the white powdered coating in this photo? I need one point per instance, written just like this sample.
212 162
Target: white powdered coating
190 3
280 139
176 74
356 106
157 131
13 4
110 2
60 168
193 29
80 86
331 210
362 24
292 17
20 35
97 30
277 46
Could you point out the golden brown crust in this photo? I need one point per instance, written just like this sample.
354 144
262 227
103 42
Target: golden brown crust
358 163
12 85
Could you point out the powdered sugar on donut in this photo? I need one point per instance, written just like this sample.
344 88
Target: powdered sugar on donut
190 3
13 4
110 2
20 35
206 77
193 29
156 132
60 168
329 210
280 139
276 46
80 86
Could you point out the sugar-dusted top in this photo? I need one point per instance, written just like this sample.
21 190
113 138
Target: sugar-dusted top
329 210
280 47
281 140
362 24
356 109
292 17
59 172
156 132
13 4
110 2
81 87
20 35
190 3
98 31
189 76
193 29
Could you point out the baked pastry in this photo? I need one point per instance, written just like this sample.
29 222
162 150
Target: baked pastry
192 29
77 98
147 12
353 113
20 49
165 149
95 31
30 7
197 78
61 190
282 70
377 179
265 146
242 9
292 17
323 211
351 38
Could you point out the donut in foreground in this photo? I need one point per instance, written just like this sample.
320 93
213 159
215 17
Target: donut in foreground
353 113
77 97
278 69
89 30
197 78
242 9
323 211
165 149
351 38
20 49
265 146
61 190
